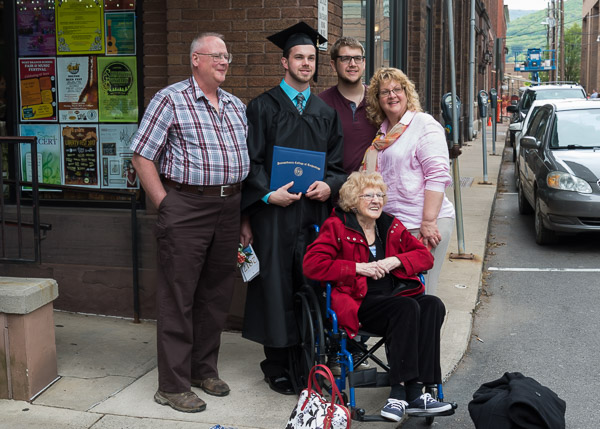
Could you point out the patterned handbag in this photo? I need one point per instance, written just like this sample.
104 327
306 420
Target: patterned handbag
313 411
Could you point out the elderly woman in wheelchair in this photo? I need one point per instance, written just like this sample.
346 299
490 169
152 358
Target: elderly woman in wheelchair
373 261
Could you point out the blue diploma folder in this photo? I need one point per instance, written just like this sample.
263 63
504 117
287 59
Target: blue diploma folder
302 166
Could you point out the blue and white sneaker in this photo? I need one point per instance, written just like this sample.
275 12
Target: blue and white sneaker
425 405
394 409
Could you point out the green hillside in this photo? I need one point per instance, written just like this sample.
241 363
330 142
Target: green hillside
528 32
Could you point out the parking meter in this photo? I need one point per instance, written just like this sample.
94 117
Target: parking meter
447 106
482 103
494 106
493 98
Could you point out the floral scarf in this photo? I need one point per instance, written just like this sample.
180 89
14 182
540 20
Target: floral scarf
381 142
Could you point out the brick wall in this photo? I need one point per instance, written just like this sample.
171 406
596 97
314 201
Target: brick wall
256 66
245 24
154 22
416 46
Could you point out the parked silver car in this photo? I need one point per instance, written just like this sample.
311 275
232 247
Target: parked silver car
559 168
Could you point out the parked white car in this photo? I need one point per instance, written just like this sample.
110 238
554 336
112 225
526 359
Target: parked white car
521 128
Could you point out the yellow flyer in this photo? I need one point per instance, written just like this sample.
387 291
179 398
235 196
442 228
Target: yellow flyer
117 89
79 27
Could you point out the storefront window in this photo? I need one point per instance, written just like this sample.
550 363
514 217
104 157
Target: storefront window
369 22
382 34
354 23
3 74
77 79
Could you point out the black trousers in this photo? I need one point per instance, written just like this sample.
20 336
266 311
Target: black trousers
411 327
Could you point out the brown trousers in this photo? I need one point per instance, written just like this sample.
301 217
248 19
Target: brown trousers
197 240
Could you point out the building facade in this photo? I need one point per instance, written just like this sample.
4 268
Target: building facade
89 247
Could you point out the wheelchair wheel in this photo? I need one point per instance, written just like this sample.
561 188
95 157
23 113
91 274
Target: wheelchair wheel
312 336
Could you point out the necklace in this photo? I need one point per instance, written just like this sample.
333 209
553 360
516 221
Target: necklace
377 237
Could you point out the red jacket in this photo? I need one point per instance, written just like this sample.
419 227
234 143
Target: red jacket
332 257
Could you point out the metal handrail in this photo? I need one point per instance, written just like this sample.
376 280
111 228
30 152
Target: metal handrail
35 201
36 216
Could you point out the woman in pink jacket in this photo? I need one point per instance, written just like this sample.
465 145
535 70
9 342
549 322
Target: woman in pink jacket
372 261
411 153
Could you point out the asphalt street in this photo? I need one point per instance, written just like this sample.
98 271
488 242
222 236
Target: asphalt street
536 315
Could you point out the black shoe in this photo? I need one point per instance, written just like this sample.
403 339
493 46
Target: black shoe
280 384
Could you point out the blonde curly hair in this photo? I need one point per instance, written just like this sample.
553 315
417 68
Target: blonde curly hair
355 184
375 113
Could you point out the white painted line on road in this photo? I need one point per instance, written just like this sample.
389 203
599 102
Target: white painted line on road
566 270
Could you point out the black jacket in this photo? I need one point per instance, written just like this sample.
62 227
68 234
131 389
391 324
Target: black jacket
281 234
514 402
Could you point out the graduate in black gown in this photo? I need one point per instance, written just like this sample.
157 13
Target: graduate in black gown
280 223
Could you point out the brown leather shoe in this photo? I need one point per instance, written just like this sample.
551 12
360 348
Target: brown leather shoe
188 402
212 386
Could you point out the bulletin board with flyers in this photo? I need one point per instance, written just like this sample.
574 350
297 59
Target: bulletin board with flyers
78 90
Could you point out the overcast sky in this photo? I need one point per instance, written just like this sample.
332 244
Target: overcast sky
526 4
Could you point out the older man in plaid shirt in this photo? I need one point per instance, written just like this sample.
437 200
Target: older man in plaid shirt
197 133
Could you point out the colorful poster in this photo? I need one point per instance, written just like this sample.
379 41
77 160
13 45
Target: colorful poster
115 156
79 27
77 89
120 33
80 155
48 154
37 77
119 5
117 89
35 27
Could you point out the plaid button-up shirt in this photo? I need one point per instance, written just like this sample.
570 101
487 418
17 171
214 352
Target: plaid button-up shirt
193 143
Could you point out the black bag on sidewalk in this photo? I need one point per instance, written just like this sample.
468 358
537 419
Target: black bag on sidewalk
513 402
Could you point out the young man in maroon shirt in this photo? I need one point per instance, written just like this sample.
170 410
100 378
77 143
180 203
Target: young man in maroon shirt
348 99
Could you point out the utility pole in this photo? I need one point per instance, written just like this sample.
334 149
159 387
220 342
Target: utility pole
553 40
562 40
548 38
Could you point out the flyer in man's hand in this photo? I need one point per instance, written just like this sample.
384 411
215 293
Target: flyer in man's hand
248 262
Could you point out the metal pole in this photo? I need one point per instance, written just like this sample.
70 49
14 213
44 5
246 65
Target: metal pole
484 148
494 129
460 234
562 41
134 261
471 98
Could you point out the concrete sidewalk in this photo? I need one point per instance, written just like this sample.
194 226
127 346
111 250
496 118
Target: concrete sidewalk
107 366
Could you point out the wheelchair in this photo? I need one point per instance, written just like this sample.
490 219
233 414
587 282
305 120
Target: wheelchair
321 338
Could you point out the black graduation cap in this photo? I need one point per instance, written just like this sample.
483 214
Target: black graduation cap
299 34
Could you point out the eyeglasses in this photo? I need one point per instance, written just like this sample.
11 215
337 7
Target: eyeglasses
396 91
358 59
218 57
371 197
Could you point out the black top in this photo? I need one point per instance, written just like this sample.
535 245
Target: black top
385 285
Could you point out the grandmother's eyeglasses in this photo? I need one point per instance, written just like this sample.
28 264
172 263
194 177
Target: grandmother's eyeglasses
371 197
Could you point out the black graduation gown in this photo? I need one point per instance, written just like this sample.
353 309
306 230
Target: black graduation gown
281 234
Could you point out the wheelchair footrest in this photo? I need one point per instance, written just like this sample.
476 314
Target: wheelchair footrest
358 414
449 412
368 378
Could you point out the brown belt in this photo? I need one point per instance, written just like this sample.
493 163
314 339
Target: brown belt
209 191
